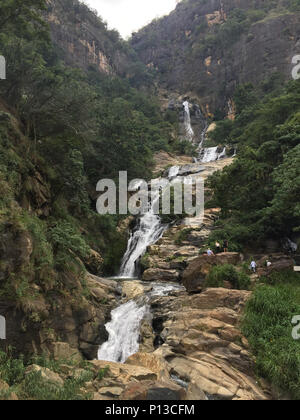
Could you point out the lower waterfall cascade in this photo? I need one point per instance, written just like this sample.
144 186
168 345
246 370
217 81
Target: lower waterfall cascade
124 327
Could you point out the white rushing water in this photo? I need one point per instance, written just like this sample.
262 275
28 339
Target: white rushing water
211 154
124 332
187 122
148 231
125 324
173 171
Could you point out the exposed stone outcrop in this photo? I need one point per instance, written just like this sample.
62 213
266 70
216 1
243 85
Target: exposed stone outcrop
279 262
195 274
203 344
62 328
213 70
85 39
157 274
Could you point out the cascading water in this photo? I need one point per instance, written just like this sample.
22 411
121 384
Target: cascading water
125 324
124 331
211 154
148 231
187 122
173 171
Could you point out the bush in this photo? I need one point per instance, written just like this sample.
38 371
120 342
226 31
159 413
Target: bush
67 243
267 325
227 273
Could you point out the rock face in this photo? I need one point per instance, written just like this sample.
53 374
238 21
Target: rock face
157 274
202 69
203 345
70 330
194 276
85 40
280 262
133 381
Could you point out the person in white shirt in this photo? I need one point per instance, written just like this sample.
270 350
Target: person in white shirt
253 266
210 252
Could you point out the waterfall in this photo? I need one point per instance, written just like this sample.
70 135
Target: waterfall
124 332
148 231
187 122
173 172
125 324
211 154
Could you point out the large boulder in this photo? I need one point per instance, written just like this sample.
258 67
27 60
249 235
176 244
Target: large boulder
280 262
62 350
133 289
157 274
94 262
46 374
154 391
153 362
195 274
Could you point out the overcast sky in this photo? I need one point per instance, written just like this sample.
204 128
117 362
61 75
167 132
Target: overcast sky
128 16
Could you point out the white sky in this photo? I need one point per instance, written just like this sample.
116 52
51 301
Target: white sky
128 16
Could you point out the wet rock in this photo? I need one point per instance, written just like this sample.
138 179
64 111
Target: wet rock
147 337
124 373
132 289
195 393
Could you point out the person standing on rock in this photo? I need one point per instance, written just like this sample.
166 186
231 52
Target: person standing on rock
253 266
226 245
218 247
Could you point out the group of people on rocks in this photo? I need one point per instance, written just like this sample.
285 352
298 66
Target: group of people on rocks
253 264
219 248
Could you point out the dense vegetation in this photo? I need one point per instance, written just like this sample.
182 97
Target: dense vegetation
68 129
259 192
268 326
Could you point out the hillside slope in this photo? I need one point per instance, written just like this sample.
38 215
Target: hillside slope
207 48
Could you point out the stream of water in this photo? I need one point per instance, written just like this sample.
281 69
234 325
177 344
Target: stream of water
124 327
125 324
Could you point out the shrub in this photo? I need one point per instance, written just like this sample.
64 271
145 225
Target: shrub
227 273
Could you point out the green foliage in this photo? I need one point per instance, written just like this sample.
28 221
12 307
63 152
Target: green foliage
145 262
36 388
11 370
259 192
267 325
79 128
32 386
227 273
182 235
67 241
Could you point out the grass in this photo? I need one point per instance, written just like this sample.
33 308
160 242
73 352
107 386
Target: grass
267 324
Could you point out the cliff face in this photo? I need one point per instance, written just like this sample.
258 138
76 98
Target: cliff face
207 48
85 40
